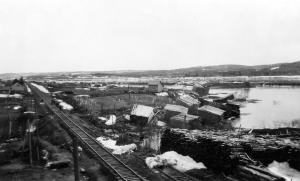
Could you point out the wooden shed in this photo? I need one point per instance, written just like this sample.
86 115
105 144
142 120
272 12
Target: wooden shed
173 110
141 114
155 86
187 100
19 88
210 114
185 121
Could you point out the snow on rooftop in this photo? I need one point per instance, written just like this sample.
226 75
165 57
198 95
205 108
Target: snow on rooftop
117 149
177 161
141 110
284 170
17 96
41 88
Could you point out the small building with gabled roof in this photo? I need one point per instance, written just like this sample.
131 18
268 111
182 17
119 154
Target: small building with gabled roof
155 86
141 114
17 87
187 100
1 84
185 121
210 114
201 90
173 109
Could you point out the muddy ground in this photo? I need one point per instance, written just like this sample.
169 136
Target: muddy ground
49 137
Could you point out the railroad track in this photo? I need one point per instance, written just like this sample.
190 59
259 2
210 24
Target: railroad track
104 156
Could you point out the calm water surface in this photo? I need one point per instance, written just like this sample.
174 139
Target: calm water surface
271 107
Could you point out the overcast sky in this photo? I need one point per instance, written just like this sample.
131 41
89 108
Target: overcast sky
74 35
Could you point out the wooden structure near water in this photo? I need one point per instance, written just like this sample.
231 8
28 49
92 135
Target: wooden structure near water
232 152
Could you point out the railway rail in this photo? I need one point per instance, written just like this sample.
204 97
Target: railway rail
120 170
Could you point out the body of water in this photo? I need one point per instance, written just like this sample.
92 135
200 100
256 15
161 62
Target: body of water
267 107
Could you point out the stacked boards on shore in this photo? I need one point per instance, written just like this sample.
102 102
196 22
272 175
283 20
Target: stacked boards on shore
230 152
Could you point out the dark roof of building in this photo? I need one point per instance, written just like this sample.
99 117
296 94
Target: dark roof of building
187 99
154 82
176 108
17 84
211 109
182 117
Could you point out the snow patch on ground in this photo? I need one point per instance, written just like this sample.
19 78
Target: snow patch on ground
160 123
64 105
274 68
28 89
17 107
17 96
117 149
111 121
102 118
29 112
177 161
284 170
164 94
127 116
41 88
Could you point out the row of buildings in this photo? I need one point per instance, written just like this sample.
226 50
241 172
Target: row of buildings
191 111
157 86
16 87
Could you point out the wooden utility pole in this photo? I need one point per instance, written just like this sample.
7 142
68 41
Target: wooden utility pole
75 159
10 124
185 123
29 141
37 144
128 93
115 108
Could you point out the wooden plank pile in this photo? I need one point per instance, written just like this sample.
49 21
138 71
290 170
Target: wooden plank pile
230 151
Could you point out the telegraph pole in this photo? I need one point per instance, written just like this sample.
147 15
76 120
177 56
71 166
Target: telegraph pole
29 141
75 158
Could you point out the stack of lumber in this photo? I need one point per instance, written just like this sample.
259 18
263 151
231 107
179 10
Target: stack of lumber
230 151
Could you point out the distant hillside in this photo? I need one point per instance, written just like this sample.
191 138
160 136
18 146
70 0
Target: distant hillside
203 71
226 70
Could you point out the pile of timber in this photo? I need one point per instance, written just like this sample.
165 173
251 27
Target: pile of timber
231 152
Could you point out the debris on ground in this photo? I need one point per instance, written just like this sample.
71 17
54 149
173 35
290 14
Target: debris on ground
177 161
117 149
